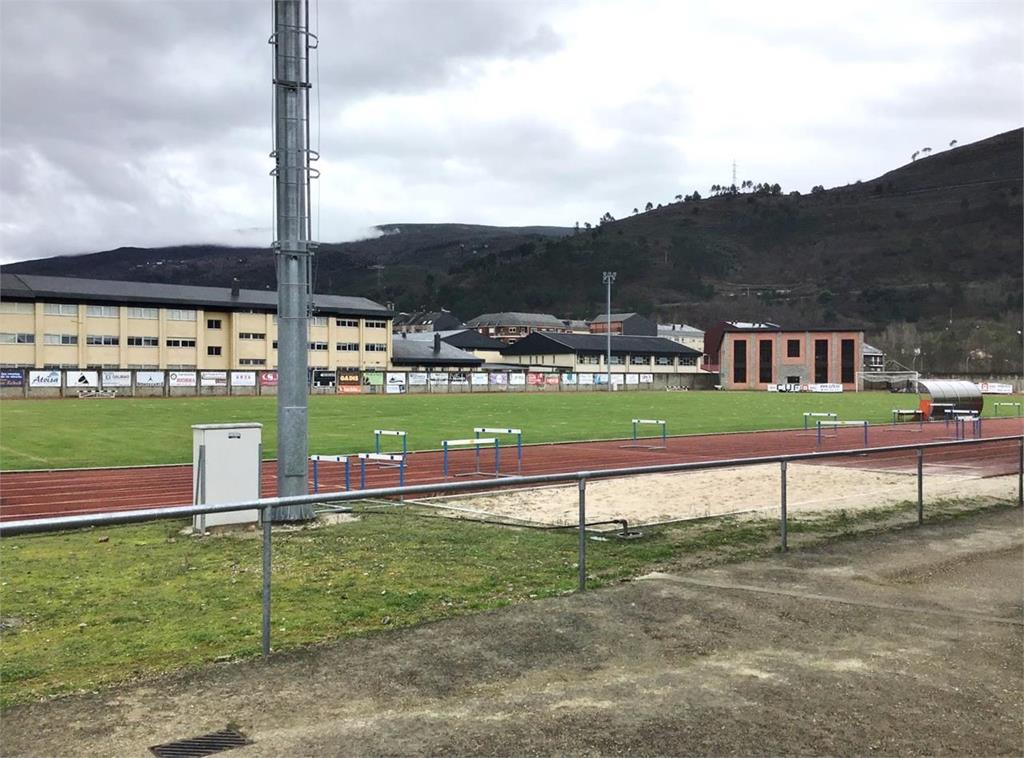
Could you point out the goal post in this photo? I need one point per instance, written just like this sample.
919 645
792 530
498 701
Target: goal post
888 381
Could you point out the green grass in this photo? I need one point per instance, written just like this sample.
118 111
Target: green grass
71 433
79 613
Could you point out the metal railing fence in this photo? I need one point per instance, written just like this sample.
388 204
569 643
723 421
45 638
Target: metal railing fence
63 523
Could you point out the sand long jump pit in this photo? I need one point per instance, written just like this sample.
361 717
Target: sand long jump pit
656 498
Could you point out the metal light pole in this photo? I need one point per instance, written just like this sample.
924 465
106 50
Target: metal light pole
608 277
291 41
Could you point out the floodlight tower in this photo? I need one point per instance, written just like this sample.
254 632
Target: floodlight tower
294 249
608 277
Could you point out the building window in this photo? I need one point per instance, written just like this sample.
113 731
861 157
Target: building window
143 365
640 360
617 360
376 324
180 314
147 313
143 342
22 338
348 347
180 366
252 362
252 335
318 321
346 322
376 347
273 345
739 362
688 360
181 342
662 360
590 359
847 367
765 371
108 340
213 323
21 308
60 339
317 345
820 361
60 309
101 311
792 348
213 349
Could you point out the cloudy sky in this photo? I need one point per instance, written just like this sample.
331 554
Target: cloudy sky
148 123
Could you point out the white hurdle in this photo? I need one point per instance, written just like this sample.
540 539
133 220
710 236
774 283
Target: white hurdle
476 442
837 424
518 433
317 459
649 421
378 433
385 459
997 406
815 415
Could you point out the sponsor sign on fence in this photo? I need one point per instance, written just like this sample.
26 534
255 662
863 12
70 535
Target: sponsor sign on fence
349 383
44 378
459 379
149 378
374 378
995 388
84 379
181 378
585 379
117 379
569 378
551 380
438 378
534 379
632 379
646 378
805 388
417 379
395 383
323 377
825 387
243 378
478 379
517 379
496 377
12 377
268 378
213 379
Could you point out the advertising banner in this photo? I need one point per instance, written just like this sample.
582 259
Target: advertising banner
785 387
243 378
438 378
149 378
117 378
825 387
584 379
181 378
995 388
12 377
646 378
497 377
459 379
599 378
632 379
213 379
551 380
417 379
569 378
534 379
50 378
268 378
478 379
324 377
395 383
349 383
81 379
517 379
373 378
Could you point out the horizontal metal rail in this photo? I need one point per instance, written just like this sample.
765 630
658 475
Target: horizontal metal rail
60 523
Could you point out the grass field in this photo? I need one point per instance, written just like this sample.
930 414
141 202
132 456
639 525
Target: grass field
91 607
71 433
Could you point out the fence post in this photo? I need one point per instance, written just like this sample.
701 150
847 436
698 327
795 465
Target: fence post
920 486
582 557
1020 476
784 525
266 581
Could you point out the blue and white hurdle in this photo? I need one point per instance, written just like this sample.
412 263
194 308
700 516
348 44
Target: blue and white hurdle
318 459
837 424
496 430
378 433
997 406
384 460
967 425
475 442
809 415
637 422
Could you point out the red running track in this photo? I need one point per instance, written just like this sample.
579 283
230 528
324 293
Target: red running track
35 494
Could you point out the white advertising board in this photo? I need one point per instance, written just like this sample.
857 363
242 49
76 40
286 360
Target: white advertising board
995 388
569 378
81 379
417 378
517 378
243 378
438 378
149 378
44 378
117 378
478 379
646 378
825 387
213 379
632 379
585 378
181 378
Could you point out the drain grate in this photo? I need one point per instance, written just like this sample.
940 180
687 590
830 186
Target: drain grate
207 744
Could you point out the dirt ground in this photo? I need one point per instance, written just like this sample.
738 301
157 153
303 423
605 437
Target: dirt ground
905 643
663 497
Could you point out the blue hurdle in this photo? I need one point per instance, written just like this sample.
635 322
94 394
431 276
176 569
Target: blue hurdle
378 433
960 425
390 459
476 442
496 430
328 459
650 421
836 424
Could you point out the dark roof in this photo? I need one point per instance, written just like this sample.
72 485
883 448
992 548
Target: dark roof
515 318
412 352
539 343
63 288
445 319
615 317
465 339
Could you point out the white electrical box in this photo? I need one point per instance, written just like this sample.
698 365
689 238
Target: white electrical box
226 469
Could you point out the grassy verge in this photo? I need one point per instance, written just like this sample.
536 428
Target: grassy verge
91 608
69 433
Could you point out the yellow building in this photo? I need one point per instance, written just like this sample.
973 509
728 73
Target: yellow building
61 322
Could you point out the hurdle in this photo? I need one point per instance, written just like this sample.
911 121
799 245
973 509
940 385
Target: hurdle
317 459
946 409
1018 406
378 433
518 433
812 415
385 460
475 442
901 414
960 426
649 421
837 424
